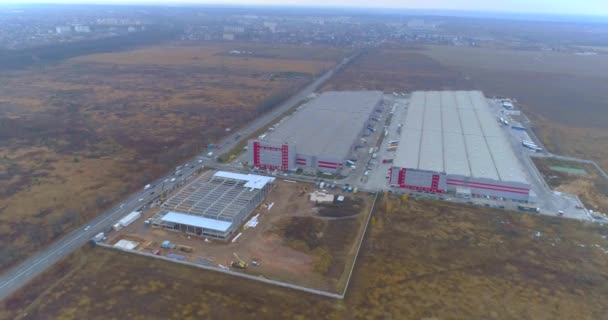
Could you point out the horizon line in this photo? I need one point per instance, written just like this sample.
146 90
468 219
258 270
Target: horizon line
308 6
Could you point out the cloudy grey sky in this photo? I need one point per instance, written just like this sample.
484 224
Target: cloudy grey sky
593 7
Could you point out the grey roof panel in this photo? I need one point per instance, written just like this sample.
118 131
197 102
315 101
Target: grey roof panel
329 124
456 159
455 132
409 148
431 152
480 159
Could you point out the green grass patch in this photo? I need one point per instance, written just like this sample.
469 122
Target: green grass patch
570 170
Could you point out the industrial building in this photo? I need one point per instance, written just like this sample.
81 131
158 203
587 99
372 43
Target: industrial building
320 136
213 204
451 141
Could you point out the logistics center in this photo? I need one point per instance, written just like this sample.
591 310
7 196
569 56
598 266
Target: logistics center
321 136
450 141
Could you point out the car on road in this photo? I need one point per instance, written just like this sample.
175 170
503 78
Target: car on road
148 186
122 205
140 199
87 228
166 180
200 161
172 180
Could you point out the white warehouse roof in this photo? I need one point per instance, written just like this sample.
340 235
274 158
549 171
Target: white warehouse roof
196 221
253 181
455 132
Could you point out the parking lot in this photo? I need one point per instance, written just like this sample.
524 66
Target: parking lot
549 202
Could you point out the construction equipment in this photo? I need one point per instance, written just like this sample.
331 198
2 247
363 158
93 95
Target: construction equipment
239 263
184 248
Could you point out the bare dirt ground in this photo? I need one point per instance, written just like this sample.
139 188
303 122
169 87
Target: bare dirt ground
592 189
77 136
563 93
420 260
296 241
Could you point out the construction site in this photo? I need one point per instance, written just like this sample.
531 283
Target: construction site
212 205
288 231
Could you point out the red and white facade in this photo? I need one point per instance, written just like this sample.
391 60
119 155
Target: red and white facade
271 156
418 180
284 157
437 182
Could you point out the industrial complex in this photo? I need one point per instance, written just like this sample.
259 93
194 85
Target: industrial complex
326 162
451 141
213 204
321 136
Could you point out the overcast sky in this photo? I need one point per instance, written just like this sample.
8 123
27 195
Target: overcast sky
575 7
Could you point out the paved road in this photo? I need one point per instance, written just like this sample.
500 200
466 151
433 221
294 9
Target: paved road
36 264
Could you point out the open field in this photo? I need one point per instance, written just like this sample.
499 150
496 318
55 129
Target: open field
396 70
591 188
295 241
78 136
419 260
563 93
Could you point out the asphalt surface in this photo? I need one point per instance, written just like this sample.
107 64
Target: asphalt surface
39 262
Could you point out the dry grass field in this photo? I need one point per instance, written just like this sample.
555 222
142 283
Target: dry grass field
396 70
564 93
78 136
420 260
592 188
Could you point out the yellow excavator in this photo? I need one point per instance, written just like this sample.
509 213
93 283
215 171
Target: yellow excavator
239 263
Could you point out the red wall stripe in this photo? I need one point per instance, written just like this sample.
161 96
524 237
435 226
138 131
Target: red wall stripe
490 188
486 184
326 166
327 162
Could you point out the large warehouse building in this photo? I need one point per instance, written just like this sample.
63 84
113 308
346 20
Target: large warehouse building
320 136
450 141
213 204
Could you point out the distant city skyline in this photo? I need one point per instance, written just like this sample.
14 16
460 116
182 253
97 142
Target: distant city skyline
562 7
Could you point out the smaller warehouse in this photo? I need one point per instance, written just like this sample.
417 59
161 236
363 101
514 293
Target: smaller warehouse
320 136
213 204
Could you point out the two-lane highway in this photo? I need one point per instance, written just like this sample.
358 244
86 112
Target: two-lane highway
39 262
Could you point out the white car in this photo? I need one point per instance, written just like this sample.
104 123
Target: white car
172 180
200 161
140 199
87 228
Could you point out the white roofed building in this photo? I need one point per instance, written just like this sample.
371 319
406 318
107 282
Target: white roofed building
450 139
321 135
213 204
